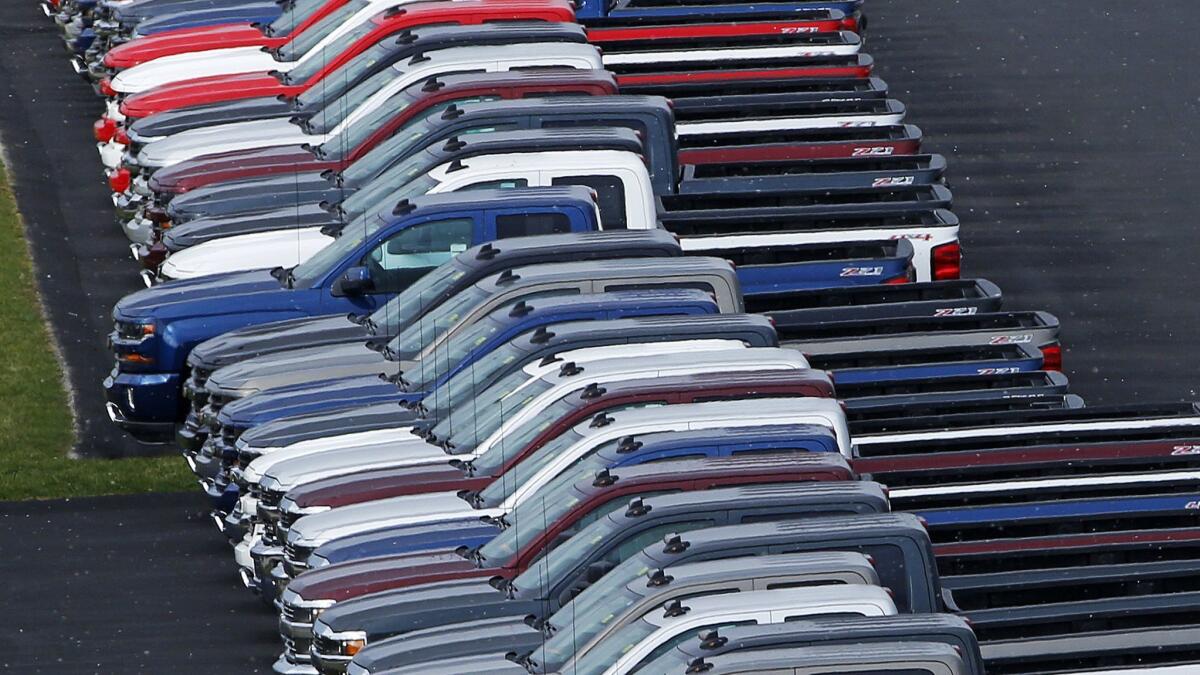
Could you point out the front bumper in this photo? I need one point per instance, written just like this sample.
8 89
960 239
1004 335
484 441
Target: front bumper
145 405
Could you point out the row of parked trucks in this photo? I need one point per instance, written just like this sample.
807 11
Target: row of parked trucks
527 336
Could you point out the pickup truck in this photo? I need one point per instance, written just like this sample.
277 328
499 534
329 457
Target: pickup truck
526 480
149 362
327 390
291 500
222 99
564 397
798 19
733 329
385 613
393 160
595 496
456 274
595 556
626 202
578 624
366 99
946 629
502 85
233 387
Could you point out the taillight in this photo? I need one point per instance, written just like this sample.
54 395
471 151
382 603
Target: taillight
120 180
106 88
121 136
104 128
1052 357
947 261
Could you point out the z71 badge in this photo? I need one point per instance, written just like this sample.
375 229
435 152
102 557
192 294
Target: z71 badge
861 272
955 311
891 181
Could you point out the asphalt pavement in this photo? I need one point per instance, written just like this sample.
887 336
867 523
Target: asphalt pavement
1068 128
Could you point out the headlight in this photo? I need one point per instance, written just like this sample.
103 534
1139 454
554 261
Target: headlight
136 331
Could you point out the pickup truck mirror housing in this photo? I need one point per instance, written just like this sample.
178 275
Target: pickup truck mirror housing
354 281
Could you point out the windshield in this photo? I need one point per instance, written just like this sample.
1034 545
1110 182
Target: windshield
503 487
465 385
554 566
529 521
425 330
324 100
347 73
446 357
481 421
604 607
294 13
301 43
415 300
463 416
608 652
383 155
311 271
493 460
375 192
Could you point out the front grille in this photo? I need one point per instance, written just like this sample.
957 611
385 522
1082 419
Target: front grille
270 499
296 650
296 614
218 401
287 519
326 647
200 376
295 558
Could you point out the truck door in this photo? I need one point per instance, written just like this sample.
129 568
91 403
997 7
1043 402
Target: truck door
407 255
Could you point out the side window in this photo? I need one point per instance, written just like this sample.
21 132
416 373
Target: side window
531 224
496 185
610 194
409 254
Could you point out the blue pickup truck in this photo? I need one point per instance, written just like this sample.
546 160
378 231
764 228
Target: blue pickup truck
156 328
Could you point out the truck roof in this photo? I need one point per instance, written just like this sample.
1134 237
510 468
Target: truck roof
516 251
944 628
755 330
600 269
899 657
496 198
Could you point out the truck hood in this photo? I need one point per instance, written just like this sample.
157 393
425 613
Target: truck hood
349 580
340 461
295 366
481 643
349 392
195 64
254 195
305 216
177 121
273 463
318 425
252 341
492 662
421 607
371 485
218 295
186 40
420 509
236 165
260 250
202 92
224 138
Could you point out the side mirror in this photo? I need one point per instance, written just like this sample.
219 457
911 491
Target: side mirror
597 570
354 281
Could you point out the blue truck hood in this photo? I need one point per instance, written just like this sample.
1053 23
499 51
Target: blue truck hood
215 295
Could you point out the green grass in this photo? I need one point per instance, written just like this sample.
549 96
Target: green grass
36 428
